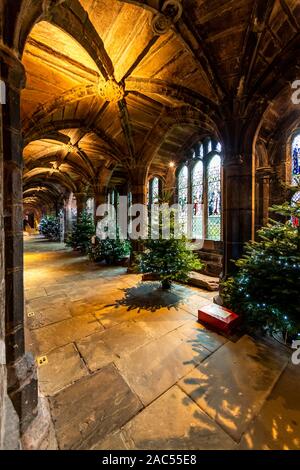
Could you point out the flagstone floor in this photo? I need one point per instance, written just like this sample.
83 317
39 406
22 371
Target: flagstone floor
126 365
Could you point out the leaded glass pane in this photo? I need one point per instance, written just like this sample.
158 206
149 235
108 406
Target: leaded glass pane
197 195
155 191
219 147
183 197
295 202
214 199
90 206
201 151
296 157
129 199
209 146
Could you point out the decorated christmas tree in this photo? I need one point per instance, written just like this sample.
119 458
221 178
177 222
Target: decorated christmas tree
113 251
266 288
50 228
83 230
170 258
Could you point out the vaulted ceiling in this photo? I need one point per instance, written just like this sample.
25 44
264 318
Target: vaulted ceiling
113 85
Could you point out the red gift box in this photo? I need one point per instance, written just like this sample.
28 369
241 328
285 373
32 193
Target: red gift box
218 318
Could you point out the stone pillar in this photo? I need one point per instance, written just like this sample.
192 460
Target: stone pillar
81 199
21 370
139 196
3 377
68 216
263 196
100 197
238 208
170 184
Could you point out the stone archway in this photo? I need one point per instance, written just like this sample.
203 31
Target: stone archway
18 378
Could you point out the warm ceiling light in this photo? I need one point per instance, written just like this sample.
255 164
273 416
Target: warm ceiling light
172 165
111 91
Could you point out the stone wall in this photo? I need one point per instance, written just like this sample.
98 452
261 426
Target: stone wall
2 311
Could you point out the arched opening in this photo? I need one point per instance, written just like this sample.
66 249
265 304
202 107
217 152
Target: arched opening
214 198
295 157
197 196
183 197
116 93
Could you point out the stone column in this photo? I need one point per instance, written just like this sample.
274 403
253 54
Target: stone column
170 184
21 371
3 377
81 199
68 216
100 197
139 196
263 197
238 208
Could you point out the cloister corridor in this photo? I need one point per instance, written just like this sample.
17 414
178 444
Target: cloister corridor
127 366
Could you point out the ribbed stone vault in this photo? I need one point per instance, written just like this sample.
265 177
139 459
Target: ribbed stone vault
108 88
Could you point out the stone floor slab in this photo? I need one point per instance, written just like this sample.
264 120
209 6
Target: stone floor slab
35 293
200 335
79 307
175 422
125 338
114 441
47 301
157 366
65 332
64 368
47 316
114 315
95 352
232 385
163 321
277 426
87 411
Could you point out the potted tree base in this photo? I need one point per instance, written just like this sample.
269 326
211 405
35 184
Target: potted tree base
166 284
168 261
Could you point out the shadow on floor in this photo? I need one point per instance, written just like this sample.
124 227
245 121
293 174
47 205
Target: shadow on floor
152 297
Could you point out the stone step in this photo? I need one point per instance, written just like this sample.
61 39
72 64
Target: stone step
211 257
203 281
212 270
213 262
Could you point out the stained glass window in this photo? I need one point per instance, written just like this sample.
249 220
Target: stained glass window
183 191
214 199
219 147
295 202
201 151
197 195
153 194
209 146
90 206
155 191
296 157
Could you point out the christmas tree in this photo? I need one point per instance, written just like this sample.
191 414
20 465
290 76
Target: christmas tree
83 230
168 257
112 251
50 227
266 288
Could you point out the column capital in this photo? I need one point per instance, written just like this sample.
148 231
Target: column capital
233 160
12 71
264 172
80 195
